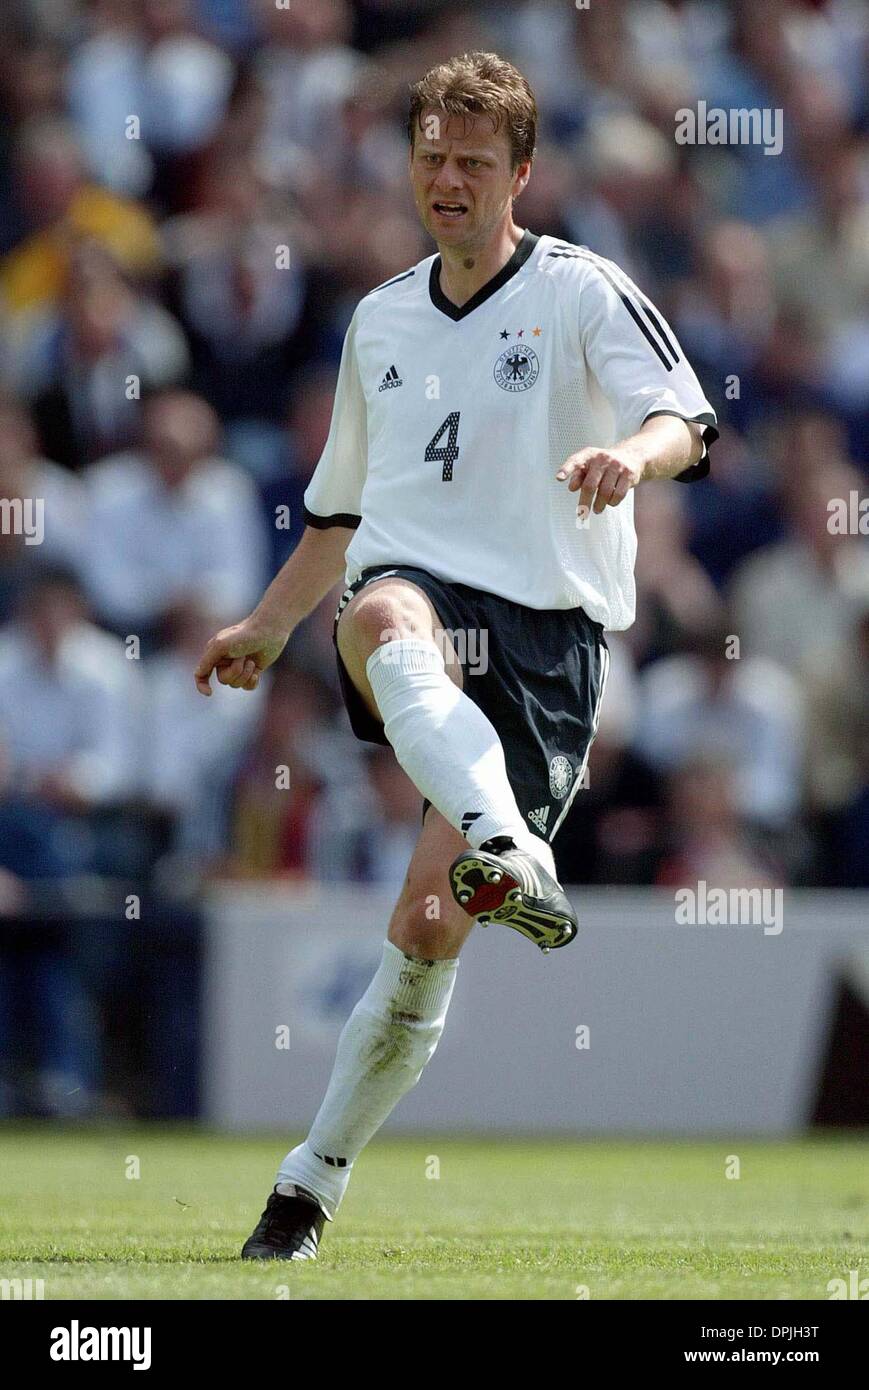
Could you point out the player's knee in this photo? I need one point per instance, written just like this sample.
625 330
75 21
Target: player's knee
427 927
375 618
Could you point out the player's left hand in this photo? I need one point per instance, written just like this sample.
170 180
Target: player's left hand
603 478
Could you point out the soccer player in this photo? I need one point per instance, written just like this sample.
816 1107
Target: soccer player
496 406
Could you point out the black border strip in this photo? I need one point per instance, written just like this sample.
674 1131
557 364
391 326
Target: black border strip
323 523
695 471
460 311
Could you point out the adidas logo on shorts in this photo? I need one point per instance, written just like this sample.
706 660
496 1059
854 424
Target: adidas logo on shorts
390 380
539 817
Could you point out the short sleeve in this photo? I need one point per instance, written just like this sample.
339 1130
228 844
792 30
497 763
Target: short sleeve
333 497
637 359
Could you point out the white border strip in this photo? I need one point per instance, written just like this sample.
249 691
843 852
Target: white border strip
604 672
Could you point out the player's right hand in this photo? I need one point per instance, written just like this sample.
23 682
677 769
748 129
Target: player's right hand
239 655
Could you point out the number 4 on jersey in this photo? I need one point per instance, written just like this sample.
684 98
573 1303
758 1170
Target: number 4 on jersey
446 453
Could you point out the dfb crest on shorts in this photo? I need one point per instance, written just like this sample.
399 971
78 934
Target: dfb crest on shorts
517 368
560 777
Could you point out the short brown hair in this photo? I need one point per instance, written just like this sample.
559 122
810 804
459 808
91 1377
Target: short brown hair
480 84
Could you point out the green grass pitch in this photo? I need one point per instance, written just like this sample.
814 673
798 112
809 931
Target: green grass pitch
504 1219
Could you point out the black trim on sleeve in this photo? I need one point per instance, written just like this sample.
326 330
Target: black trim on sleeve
582 253
323 523
695 473
700 469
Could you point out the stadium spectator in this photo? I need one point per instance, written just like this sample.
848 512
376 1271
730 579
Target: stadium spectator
713 697
738 512
348 814
795 599
676 599
725 316
837 752
50 503
369 152
820 255
392 829
614 832
280 780
63 208
69 703
298 449
244 293
707 839
146 61
624 193
85 364
170 521
306 69
103 88
190 757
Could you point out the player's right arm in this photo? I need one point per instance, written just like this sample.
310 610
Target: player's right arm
239 654
333 509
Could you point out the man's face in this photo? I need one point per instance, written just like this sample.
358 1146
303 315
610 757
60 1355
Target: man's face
53 610
176 436
462 178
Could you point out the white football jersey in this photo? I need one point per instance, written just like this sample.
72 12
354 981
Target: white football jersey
450 424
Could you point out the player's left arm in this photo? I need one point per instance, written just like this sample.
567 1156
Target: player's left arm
664 447
662 419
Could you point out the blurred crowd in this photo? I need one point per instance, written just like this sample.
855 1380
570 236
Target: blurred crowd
194 194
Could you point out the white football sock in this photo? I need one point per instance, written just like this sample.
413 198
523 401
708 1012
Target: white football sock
383 1047
447 745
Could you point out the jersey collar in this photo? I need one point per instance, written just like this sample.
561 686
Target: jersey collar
459 311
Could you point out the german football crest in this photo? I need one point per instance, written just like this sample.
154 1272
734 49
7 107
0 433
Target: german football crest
560 777
517 368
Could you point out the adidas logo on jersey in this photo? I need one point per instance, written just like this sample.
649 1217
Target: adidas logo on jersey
539 817
390 379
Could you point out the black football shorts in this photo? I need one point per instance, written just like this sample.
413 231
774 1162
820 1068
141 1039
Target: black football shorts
538 674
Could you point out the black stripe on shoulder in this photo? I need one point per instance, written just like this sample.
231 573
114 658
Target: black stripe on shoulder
653 344
657 348
323 523
643 303
396 280
632 305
